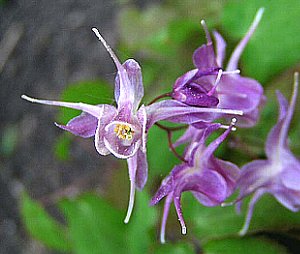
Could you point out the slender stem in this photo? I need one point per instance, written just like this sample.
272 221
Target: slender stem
159 97
169 132
166 128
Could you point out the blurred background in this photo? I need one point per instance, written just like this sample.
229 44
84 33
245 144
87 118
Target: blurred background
57 194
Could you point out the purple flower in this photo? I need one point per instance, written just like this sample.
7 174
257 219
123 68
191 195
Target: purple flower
279 174
210 180
122 130
209 86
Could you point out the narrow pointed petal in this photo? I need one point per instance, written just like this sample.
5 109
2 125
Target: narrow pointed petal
177 203
165 217
94 110
252 203
290 112
234 59
142 169
277 137
178 112
106 116
131 202
132 167
84 125
220 47
214 145
165 188
142 117
124 90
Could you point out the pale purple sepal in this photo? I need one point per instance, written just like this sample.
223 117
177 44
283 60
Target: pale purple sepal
84 125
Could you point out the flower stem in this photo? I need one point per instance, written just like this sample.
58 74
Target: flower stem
169 132
159 97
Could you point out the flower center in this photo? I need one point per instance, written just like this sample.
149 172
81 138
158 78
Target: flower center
124 131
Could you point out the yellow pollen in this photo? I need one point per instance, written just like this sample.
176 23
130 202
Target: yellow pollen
123 131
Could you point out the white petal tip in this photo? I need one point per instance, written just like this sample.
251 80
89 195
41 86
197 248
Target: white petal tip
162 240
260 11
227 204
233 121
242 232
202 22
95 30
25 97
183 230
259 15
126 220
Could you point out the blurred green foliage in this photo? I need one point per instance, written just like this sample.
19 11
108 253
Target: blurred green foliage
162 37
43 227
245 246
9 139
273 47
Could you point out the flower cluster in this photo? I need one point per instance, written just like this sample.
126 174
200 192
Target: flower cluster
198 98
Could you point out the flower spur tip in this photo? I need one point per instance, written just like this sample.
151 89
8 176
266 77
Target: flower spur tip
108 48
27 98
183 230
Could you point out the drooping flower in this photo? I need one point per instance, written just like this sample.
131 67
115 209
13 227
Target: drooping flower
122 130
279 174
210 180
209 86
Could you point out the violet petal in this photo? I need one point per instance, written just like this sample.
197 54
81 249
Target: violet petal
220 48
84 125
142 169
107 114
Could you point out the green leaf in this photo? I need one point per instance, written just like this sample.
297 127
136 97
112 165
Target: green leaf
91 92
41 226
179 248
211 222
161 160
93 225
275 43
244 245
142 221
9 139
62 147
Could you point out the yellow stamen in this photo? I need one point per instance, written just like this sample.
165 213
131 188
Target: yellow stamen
124 131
